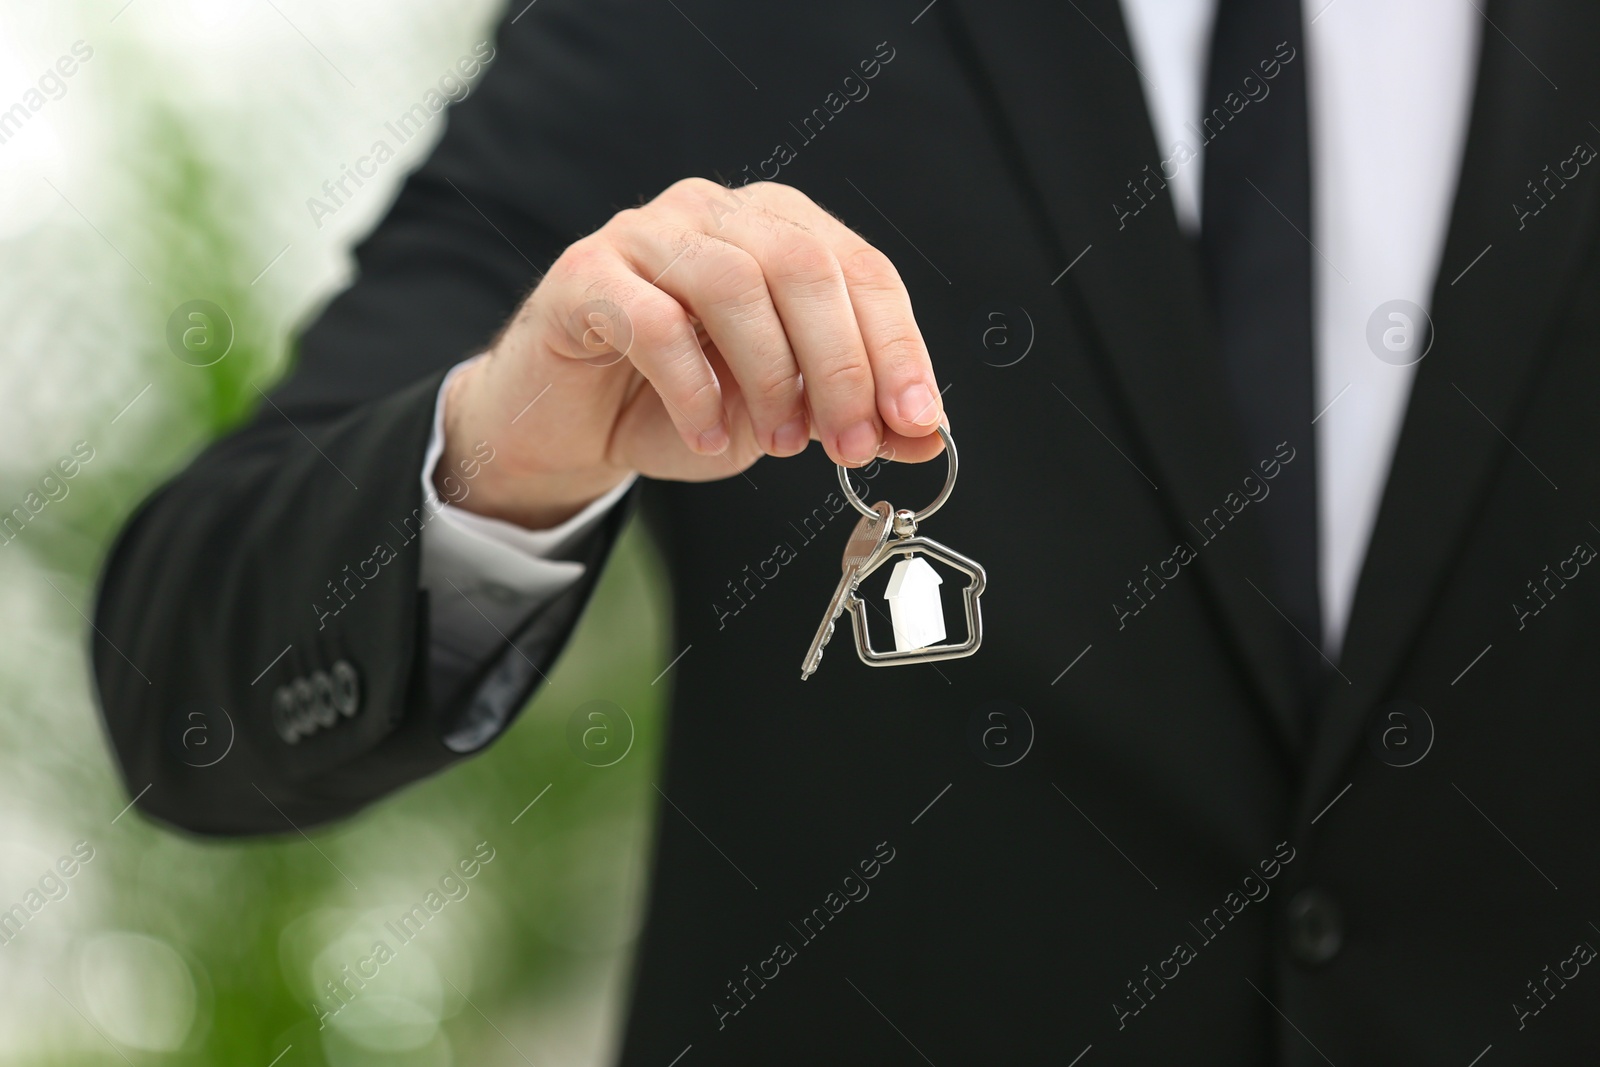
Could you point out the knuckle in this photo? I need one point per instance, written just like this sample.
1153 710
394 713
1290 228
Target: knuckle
849 375
868 267
804 261
583 260
780 193
777 385
658 324
695 197
902 351
690 188
701 395
627 219
734 280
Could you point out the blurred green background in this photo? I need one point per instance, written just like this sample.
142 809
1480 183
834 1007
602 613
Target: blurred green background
175 163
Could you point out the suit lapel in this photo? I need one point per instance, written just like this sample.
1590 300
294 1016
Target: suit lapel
1493 320
1063 80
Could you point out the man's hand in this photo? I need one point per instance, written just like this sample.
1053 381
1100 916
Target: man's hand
683 340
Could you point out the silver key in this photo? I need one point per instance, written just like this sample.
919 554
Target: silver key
882 535
866 541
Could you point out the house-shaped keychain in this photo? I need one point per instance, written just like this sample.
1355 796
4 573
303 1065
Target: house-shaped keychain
914 607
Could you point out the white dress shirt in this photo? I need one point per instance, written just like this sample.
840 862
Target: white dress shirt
1389 84
485 576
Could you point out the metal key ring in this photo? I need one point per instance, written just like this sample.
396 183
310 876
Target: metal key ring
938 501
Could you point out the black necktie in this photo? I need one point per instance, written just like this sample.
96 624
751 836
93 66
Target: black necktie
1255 245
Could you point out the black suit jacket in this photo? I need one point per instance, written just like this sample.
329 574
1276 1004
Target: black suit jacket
1182 866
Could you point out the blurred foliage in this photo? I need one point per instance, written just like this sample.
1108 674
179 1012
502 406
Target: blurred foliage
174 950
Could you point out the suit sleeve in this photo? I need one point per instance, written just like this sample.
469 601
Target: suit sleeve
261 639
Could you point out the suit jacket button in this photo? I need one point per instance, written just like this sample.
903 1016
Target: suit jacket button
323 712
283 715
1316 927
305 705
346 688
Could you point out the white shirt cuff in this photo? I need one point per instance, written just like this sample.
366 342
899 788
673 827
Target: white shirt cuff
484 576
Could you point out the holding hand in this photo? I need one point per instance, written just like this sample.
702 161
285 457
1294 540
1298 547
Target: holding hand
686 338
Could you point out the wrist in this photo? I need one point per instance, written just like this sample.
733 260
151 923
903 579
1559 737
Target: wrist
480 474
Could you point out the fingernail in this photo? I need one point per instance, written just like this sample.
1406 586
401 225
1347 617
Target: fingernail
714 441
918 405
859 444
792 436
